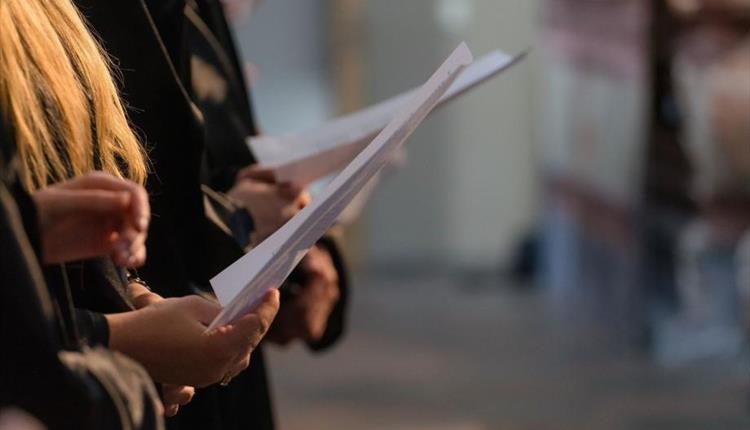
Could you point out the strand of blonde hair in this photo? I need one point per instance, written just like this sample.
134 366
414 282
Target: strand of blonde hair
58 94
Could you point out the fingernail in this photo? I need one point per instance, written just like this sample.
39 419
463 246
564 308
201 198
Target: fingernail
143 223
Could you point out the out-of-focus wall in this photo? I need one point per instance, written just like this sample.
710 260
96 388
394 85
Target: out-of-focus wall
286 42
467 192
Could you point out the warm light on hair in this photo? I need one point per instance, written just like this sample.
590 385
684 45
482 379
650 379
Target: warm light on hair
58 95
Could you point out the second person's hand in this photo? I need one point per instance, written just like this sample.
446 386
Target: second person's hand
269 204
169 338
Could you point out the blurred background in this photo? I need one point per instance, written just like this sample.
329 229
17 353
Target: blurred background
567 247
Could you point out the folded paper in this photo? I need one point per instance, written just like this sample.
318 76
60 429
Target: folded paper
243 284
316 153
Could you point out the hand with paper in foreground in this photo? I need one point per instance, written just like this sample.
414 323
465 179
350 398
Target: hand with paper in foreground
305 316
269 204
173 396
169 338
93 215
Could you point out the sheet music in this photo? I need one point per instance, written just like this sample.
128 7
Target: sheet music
313 154
241 285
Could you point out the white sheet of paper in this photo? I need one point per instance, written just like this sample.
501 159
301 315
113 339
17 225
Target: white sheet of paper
241 285
316 153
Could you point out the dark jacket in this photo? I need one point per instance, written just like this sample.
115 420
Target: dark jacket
229 122
184 249
43 368
97 287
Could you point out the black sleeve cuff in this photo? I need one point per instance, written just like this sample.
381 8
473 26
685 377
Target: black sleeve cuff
92 327
242 226
223 179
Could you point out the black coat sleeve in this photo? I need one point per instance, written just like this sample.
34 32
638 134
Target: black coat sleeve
32 375
92 327
230 121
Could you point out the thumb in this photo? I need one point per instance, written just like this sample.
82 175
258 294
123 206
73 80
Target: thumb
252 327
290 190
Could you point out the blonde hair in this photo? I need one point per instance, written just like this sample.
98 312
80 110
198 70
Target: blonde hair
58 95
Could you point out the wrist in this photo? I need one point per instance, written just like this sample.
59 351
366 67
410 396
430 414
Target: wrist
126 335
140 293
146 299
117 325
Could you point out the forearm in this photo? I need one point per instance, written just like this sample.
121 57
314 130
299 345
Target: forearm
140 294
128 336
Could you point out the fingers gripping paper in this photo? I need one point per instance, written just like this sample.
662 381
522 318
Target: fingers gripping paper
305 157
241 286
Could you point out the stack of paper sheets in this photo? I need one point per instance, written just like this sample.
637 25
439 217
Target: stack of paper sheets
313 154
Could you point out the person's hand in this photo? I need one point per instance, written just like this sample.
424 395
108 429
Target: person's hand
176 396
93 215
173 396
169 338
270 204
306 315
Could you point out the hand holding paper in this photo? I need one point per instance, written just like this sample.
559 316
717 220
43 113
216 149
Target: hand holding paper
241 285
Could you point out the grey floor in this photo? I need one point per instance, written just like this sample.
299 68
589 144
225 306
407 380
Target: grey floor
433 353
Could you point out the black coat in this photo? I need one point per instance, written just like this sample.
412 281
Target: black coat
230 121
74 389
184 249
